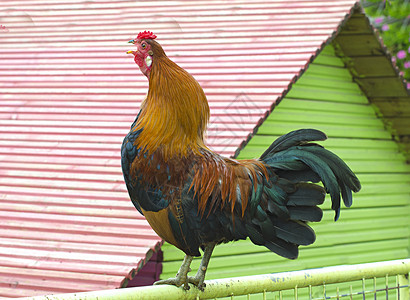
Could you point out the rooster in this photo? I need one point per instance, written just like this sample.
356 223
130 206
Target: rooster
196 199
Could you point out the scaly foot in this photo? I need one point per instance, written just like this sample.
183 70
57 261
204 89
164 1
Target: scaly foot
182 275
199 278
177 281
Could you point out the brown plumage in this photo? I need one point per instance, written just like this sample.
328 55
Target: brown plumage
216 180
194 198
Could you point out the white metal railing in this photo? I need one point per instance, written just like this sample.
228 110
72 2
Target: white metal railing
274 286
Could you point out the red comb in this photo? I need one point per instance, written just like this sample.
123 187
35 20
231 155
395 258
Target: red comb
146 35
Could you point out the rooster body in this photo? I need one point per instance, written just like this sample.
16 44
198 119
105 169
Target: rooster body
195 199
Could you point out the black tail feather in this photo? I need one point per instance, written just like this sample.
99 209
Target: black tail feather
294 232
294 138
307 194
282 248
282 204
306 213
293 157
299 176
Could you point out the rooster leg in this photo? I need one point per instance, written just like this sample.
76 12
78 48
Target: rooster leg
182 275
199 278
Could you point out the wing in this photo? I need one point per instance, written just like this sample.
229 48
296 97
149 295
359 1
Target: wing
156 190
148 197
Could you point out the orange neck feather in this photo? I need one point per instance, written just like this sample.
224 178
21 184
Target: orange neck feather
175 114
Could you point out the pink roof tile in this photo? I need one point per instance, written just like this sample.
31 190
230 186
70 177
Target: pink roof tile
69 94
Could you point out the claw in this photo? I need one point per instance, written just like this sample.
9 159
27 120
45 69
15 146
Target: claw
182 275
177 281
198 281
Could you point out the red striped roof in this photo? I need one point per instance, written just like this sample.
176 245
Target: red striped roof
69 94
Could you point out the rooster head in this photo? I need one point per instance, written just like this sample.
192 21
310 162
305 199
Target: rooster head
146 51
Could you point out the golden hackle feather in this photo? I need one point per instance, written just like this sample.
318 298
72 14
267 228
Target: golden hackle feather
175 114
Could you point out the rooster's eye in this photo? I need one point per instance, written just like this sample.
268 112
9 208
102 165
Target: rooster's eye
143 45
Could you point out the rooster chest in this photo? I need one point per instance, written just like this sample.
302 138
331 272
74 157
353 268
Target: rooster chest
159 221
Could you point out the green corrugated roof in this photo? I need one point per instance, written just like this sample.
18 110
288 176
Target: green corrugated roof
377 226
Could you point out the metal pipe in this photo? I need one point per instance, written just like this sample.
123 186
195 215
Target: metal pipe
248 284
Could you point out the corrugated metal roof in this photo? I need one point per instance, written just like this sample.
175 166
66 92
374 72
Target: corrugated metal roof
69 94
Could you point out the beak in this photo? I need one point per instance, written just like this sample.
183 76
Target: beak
131 51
